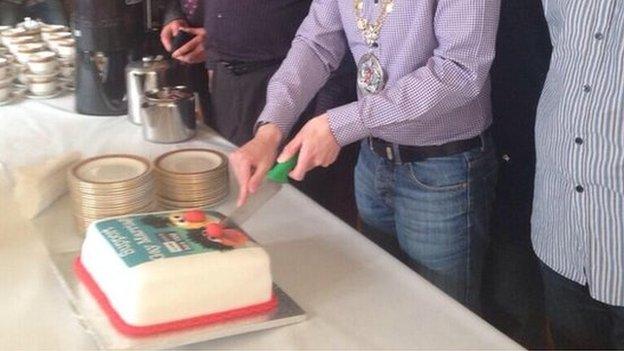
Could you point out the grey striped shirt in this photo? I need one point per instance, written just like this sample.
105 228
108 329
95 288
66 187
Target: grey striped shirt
578 212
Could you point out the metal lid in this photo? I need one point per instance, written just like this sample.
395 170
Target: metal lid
169 94
148 64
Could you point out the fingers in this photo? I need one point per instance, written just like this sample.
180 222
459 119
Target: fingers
242 172
257 177
188 47
291 149
166 38
194 30
169 31
304 164
195 56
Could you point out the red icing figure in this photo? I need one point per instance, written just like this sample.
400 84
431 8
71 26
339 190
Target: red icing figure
226 236
195 216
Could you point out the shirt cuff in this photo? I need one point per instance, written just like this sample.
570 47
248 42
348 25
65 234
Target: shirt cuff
278 115
346 125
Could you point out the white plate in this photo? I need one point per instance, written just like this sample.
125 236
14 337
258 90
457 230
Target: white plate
111 169
191 161
59 90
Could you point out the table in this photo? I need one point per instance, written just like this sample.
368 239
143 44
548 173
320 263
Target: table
357 296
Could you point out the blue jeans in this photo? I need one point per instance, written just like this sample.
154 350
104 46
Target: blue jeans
437 209
576 320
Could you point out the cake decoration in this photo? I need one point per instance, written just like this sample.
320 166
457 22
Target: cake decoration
144 238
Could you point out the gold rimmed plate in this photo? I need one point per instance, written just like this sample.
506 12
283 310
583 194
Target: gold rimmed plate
111 169
190 162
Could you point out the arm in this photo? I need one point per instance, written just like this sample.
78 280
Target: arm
466 34
316 51
173 11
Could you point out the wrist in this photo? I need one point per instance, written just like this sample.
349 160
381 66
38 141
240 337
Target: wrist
269 132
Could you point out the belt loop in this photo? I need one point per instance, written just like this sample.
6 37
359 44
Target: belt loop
370 144
396 151
482 137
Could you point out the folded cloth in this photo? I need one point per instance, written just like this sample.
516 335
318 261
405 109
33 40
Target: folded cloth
38 186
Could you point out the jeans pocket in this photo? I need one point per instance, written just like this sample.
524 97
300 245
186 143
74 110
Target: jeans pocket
447 173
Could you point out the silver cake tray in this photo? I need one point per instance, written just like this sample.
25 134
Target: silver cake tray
95 322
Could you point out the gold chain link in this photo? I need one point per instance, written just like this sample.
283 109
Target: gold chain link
370 31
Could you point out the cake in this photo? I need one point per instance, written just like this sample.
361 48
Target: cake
167 271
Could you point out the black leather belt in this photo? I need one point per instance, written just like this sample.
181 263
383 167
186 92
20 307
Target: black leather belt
242 67
418 153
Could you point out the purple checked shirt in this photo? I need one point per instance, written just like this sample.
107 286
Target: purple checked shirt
436 54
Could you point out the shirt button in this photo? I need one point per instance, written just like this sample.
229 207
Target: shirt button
506 158
579 141
579 189
586 88
599 36
219 15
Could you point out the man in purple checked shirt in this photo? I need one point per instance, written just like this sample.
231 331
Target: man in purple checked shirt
427 167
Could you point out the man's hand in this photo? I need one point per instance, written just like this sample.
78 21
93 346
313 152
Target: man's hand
169 31
316 145
253 160
193 51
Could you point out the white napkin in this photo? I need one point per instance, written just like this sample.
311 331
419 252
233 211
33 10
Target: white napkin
38 186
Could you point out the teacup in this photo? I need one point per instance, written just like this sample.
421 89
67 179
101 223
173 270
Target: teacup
67 70
48 29
66 48
42 62
13 33
24 51
5 91
13 42
56 36
5 68
43 86
6 80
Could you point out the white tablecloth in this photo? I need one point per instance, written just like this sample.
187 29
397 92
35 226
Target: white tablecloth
356 295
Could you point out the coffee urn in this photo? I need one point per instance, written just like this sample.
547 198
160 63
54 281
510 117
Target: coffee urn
147 74
105 31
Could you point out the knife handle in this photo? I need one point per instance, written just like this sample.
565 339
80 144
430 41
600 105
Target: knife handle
279 172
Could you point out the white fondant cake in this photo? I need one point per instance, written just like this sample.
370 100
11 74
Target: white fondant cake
166 267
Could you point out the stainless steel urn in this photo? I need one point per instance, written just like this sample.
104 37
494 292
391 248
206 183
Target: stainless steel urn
148 74
168 115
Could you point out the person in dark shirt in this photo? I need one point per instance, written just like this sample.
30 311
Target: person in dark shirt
244 43
182 15
513 292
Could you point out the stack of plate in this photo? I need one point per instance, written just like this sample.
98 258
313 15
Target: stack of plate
191 178
111 185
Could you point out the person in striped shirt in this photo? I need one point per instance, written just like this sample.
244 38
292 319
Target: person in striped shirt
578 209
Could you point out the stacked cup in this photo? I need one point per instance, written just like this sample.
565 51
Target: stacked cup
191 178
109 186
6 79
41 56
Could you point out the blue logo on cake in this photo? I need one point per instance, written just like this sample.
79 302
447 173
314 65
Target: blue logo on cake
143 238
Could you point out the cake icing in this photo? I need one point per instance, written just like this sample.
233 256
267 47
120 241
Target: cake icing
165 268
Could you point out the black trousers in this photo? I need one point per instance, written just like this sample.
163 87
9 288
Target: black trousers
238 100
576 320
194 76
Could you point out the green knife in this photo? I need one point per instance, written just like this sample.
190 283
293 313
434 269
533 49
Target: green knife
271 184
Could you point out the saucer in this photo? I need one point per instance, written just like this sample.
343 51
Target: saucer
69 83
59 90
14 96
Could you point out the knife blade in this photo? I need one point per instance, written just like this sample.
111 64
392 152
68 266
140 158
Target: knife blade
270 186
